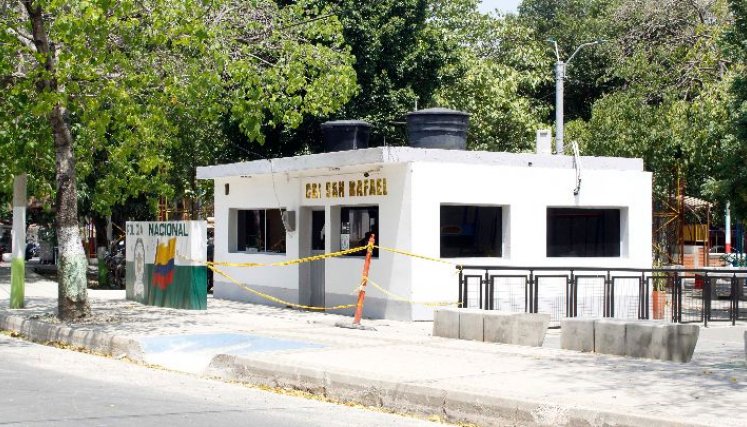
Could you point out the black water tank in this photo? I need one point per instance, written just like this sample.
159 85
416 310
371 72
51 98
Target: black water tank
342 135
438 128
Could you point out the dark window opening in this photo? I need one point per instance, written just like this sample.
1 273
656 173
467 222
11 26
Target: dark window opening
356 226
317 230
260 230
583 232
471 231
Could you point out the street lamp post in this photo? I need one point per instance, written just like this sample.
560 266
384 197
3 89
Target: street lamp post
560 67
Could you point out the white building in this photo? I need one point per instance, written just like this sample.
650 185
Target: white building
469 207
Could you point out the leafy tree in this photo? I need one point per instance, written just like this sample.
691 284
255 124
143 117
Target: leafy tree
399 63
500 64
671 109
733 182
571 23
132 90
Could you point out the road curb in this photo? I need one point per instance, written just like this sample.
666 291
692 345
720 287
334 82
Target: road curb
100 342
451 405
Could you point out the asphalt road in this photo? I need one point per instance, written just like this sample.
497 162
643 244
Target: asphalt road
42 385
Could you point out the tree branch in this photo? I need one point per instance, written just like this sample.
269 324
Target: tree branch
22 38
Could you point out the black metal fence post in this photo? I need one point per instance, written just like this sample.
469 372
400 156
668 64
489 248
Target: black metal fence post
535 296
733 311
462 288
488 292
706 299
690 302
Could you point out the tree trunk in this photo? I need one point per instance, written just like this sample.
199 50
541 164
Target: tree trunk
71 273
73 296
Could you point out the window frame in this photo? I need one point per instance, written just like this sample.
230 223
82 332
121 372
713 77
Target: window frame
617 249
501 232
360 254
235 226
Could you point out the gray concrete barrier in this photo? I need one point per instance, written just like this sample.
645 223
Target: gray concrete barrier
633 338
577 334
609 336
526 329
446 323
471 324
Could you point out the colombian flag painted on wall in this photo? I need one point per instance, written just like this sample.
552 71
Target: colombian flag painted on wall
166 263
163 268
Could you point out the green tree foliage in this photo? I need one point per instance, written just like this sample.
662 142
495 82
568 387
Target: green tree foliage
671 106
400 60
131 91
732 184
499 65
571 23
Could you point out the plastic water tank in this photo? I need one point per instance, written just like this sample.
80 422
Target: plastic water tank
438 128
342 135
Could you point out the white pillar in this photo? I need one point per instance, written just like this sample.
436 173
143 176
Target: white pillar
18 268
19 217
727 231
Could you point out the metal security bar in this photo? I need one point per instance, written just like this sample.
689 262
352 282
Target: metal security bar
674 294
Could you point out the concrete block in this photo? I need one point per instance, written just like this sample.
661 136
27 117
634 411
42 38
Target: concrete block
446 323
609 336
527 329
577 334
471 324
500 327
531 328
638 339
674 342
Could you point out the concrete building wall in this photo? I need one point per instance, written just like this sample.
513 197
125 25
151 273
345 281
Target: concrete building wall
409 219
256 192
525 193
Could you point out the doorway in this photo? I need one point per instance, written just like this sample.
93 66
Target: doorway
318 238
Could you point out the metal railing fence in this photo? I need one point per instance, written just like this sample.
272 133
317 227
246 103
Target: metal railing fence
681 295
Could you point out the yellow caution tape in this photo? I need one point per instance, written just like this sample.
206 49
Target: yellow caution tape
414 255
291 262
403 299
275 299
273 264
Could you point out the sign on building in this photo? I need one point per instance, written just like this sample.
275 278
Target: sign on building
166 263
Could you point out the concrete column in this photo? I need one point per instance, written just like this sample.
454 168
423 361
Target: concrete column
18 261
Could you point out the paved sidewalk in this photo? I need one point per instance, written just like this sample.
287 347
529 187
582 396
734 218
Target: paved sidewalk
402 367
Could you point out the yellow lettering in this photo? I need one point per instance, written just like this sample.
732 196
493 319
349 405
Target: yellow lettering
378 187
359 188
351 188
308 191
365 187
372 187
329 191
341 188
384 186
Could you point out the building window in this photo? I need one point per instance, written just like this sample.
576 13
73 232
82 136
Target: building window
260 230
471 231
575 232
356 226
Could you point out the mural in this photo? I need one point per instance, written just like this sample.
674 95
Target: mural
166 263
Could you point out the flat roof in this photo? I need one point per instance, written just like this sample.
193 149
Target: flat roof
394 155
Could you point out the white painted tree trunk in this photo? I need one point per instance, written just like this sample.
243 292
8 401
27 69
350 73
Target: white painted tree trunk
18 261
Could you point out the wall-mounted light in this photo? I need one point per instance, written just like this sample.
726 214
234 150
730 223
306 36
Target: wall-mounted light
227 189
